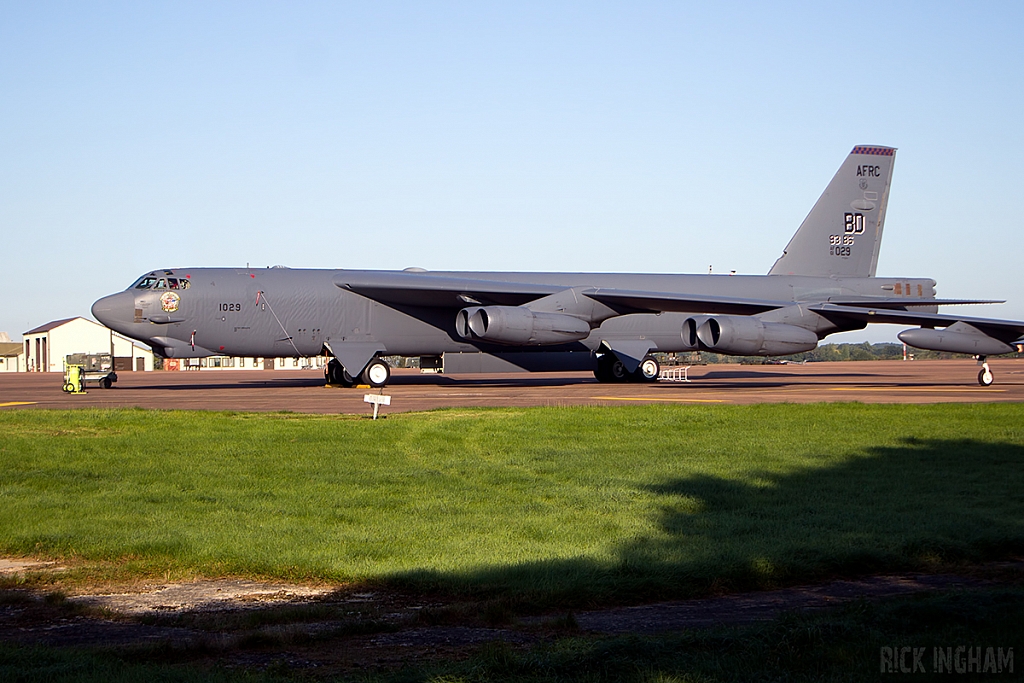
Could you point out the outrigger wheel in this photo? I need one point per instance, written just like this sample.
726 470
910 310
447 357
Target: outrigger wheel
985 377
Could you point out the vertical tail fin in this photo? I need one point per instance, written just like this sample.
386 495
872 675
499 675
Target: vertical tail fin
843 232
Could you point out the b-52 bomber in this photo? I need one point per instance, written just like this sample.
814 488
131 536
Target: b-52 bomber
610 323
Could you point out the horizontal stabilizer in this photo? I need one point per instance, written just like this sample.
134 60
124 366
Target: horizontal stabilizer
1003 330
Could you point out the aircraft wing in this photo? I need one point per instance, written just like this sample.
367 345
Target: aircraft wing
657 302
439 291
1004 330
445 291
442 291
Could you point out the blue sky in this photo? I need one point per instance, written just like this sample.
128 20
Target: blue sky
660 137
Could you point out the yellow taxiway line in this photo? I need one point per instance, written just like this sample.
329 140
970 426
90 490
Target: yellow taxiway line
921 389
17 403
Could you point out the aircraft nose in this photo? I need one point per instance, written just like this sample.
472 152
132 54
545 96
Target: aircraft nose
116 311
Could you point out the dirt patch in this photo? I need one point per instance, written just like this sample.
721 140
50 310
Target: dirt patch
255 625
18 566
203 595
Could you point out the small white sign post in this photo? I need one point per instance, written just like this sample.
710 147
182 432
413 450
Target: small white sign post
377 400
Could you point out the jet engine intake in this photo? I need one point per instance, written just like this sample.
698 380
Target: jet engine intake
519 326
957 338
737 335
690 327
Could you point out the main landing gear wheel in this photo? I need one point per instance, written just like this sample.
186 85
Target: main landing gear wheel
648 370
611 369
377 373
335 373
617 371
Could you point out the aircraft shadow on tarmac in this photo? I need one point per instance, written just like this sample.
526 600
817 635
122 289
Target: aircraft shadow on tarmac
716 380
281 383
753 374
524 381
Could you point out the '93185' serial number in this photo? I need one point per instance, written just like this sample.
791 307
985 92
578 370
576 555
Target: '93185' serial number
839 245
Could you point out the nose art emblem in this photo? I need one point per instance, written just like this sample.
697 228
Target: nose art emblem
169 302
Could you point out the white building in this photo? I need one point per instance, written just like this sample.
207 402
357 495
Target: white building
12 355
46 347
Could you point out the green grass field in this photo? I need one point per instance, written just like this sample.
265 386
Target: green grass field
552 506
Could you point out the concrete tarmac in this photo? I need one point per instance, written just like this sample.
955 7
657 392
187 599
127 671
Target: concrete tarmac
303 391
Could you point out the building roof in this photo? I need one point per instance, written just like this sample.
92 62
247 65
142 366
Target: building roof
8 349
51 325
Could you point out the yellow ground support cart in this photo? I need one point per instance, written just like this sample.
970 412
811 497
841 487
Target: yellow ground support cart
73 382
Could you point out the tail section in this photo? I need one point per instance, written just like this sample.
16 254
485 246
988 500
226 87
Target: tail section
843 232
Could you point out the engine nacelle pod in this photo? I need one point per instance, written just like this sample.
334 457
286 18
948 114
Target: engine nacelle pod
519 326
957 338
690 327
746 336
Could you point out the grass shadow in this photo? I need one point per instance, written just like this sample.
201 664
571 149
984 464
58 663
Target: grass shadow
920 505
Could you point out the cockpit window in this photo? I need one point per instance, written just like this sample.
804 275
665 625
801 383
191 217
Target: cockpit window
153 282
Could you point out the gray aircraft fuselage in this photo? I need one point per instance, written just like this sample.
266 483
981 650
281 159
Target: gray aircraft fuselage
283 312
